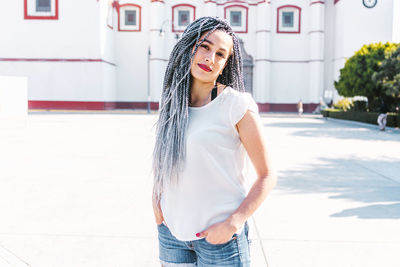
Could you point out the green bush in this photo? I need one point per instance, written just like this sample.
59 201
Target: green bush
356 75
359 106
388 77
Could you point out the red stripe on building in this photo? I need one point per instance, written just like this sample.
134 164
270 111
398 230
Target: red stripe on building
89 105
276 107
99 105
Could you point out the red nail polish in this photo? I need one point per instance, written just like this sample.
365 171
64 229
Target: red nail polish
197 234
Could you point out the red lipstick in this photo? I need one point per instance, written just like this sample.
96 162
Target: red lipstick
204 67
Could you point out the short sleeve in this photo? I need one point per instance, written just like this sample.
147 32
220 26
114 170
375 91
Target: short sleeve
240 104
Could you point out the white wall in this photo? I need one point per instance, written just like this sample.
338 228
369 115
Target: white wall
107 52
81 32
262 67
369 25
131 58
290 81
396 22
329 50
355 26
75 35
59 81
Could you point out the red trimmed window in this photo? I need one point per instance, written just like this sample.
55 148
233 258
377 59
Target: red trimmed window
288 19
129 18
41 9
182 15
237 16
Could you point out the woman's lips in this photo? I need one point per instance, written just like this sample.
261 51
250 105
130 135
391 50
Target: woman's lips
204 67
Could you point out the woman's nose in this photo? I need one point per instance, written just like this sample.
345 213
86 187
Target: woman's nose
210 57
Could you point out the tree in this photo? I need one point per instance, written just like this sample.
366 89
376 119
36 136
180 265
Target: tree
388 76
356 75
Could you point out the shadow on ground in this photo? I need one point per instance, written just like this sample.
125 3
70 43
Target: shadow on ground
347 179
336 130
381 211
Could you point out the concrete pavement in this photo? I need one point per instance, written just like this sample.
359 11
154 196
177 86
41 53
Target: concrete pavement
75 191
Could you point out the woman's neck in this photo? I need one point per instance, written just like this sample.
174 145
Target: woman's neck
200 93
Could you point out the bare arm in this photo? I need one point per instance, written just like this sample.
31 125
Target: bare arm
250 133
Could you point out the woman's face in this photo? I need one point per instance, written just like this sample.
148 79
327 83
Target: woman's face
212 56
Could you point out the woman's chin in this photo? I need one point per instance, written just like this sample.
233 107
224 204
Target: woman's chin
204 78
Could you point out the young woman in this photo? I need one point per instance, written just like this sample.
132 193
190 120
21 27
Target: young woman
206 125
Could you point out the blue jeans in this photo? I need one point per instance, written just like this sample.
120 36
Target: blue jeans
173 252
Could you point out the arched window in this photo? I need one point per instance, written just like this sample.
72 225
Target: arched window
237 17
129 18
288 19
182 15
40 9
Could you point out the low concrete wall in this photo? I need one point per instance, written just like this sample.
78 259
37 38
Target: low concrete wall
13 96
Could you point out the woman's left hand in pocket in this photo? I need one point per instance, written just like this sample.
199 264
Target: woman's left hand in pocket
218 233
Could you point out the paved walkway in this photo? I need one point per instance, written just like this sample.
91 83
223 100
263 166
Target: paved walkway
75 191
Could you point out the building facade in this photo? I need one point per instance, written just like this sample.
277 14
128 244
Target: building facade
108 54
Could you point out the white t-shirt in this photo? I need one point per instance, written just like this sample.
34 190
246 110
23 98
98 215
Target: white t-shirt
211 186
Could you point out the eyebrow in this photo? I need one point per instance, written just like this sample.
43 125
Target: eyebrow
208 41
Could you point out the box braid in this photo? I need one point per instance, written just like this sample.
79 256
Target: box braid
170 148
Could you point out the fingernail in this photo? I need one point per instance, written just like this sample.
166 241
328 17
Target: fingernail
197 234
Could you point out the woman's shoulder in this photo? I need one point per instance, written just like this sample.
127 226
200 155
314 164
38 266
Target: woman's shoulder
229 90
240 103
236 94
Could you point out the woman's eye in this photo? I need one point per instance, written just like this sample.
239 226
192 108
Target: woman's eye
220 54
205 46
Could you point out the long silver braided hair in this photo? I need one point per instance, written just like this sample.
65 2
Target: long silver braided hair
170 148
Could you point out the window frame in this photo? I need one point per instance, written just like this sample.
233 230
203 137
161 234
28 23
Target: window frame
245 17
121 18
175 16
31 13
296 19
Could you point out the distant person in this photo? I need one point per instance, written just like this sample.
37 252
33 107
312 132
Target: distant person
320 107
300 107
330 104
382 116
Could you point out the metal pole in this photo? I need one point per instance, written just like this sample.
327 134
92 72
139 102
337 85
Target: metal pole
148 80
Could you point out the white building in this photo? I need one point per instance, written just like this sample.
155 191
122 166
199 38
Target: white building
94 54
